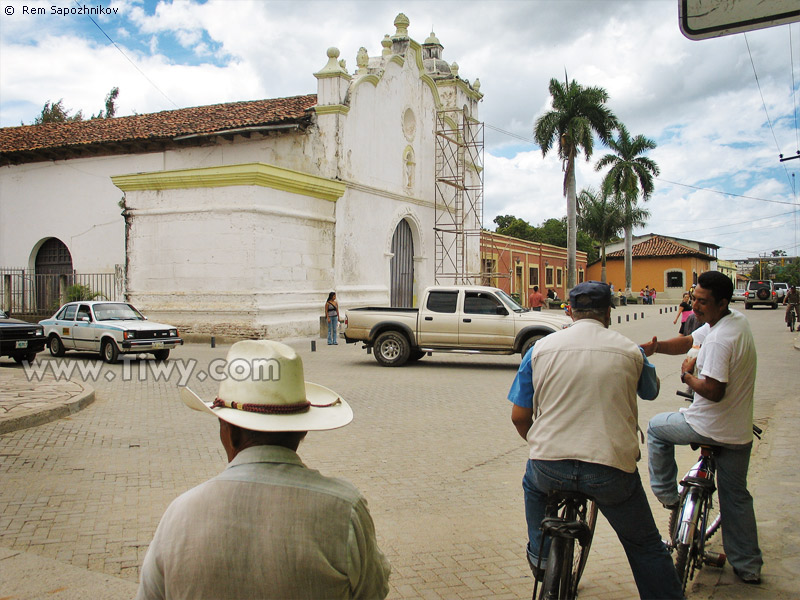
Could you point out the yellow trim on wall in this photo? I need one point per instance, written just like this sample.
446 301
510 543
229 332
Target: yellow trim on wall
258 174
332 109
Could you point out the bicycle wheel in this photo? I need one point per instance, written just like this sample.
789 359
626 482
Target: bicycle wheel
683 560
581 551
551 586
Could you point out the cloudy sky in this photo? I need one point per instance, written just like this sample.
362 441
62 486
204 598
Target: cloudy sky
720 110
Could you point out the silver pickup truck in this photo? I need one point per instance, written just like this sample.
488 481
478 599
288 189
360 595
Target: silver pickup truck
466 319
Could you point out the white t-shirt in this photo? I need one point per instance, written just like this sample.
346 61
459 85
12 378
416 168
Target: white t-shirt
727 354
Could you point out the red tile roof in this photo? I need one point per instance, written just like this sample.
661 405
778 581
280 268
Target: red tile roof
659 247
20 144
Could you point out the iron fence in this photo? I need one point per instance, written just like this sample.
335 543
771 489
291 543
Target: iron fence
26 293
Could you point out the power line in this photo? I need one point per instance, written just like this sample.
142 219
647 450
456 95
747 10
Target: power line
694 187
128 59
508 133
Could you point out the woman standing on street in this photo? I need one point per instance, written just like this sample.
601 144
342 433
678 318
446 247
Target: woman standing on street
332 312
685 311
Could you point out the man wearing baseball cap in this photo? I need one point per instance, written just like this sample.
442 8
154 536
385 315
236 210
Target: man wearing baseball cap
574 401
267 526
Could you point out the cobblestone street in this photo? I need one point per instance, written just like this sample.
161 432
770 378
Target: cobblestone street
431 447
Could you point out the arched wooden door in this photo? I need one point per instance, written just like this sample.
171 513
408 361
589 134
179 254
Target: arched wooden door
402 266
52 260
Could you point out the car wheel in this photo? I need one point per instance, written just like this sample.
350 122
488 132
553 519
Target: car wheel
161 354
529 344
55 345
392 349
30 356
109 351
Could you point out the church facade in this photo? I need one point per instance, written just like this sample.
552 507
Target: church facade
238 219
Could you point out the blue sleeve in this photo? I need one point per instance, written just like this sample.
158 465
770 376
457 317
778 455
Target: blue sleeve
648 386
521 392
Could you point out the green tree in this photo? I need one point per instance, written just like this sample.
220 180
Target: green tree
630 174
111 107
552 231
602 218
54 112
578 113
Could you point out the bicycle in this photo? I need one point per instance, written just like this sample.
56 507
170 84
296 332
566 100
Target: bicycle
696 519
791 316
570 517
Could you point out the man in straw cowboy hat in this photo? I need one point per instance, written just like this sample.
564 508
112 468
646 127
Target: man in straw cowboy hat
267 526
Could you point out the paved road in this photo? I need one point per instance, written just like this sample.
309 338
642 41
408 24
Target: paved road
431 446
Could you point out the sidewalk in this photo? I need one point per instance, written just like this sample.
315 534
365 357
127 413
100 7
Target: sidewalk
25 403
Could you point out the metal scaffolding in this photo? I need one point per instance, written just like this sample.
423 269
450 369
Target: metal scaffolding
458 197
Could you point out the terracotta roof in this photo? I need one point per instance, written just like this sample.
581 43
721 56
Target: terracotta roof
659 247
50 140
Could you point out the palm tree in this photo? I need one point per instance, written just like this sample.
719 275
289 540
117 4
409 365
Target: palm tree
577 114
602 218
630 173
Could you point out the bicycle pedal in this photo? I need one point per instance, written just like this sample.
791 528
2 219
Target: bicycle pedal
714 559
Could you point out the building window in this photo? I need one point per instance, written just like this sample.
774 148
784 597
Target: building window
533 276
548 276
581 276
675 279
559 277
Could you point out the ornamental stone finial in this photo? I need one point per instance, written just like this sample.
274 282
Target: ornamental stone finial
454 69
333 67
386 42
362 58
477 85
401 22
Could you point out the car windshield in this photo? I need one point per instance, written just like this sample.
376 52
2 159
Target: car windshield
510 302
116 311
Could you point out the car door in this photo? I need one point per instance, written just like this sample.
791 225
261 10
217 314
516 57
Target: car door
485 322
438 320
65 324
82 332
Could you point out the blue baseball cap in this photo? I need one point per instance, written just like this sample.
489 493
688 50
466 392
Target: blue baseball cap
590 294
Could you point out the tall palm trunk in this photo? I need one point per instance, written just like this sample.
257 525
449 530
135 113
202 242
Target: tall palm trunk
603 262
572 223
628 258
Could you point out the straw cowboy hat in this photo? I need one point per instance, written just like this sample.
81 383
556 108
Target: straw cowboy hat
264 390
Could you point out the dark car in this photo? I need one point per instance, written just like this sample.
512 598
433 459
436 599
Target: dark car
20 340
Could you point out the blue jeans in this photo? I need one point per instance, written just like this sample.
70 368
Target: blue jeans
739 530
621 498
333 329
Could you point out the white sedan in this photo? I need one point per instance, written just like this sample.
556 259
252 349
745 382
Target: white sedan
109 328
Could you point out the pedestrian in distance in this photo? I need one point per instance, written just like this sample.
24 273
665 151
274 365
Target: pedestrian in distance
721 415
684 312
536 299
574 402
332 313
267 527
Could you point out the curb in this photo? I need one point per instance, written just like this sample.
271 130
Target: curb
53 413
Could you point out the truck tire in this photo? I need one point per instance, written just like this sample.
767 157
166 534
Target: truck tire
391 349
529 344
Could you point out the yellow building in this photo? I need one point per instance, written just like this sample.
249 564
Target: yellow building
658 262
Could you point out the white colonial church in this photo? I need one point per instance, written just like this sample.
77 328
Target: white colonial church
238 219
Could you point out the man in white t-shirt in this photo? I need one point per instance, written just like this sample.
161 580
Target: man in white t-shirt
721 414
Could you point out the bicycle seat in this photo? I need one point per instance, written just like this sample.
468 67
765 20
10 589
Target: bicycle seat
714 449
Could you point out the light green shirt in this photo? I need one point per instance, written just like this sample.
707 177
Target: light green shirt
266 527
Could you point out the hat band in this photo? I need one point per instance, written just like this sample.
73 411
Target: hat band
272 409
